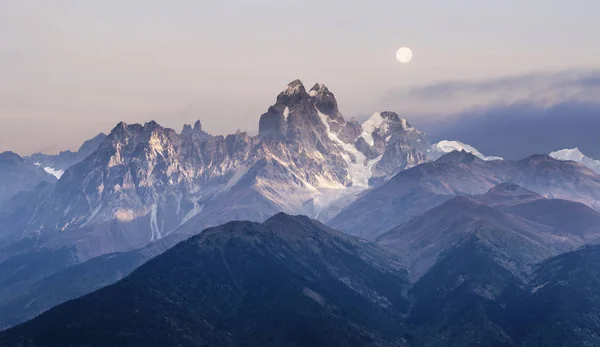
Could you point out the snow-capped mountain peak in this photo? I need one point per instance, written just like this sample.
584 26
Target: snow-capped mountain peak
574 154
439 149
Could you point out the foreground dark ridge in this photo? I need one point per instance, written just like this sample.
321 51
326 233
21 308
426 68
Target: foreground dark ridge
288 281
293 281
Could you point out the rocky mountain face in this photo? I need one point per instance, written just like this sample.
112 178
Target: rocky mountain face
145 181
381 147
289 281
58 163
420 188
17 175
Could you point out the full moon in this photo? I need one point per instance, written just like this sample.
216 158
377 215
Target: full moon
404 55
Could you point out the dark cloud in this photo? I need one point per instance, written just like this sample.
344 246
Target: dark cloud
455 96
515 116
534 82
518 130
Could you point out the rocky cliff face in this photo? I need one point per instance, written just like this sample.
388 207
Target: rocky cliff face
145 181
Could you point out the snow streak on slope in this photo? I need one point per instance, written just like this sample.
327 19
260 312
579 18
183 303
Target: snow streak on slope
439 149
156 235
574 154
359 168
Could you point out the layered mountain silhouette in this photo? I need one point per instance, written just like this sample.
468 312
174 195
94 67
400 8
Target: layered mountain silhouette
58 163
287 281
519 225
420 188
146 183
461 250
293 281
19 175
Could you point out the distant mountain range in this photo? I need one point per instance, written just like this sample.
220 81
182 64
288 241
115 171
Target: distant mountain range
438 244
58 163
423 187
17 175
517 130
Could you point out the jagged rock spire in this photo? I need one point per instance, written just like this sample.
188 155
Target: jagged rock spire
196 131
294 94
325 101
198 126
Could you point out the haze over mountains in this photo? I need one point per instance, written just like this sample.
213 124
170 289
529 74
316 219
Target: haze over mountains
18 174
57 164
437 244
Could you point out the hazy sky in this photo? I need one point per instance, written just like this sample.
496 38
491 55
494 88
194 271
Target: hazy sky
70 69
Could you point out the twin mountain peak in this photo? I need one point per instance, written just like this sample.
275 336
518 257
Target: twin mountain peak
302 128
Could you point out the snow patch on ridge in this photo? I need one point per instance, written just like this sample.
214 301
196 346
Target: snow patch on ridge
52 171
286 113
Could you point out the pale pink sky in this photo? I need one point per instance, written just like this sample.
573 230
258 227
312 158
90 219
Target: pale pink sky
71 69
